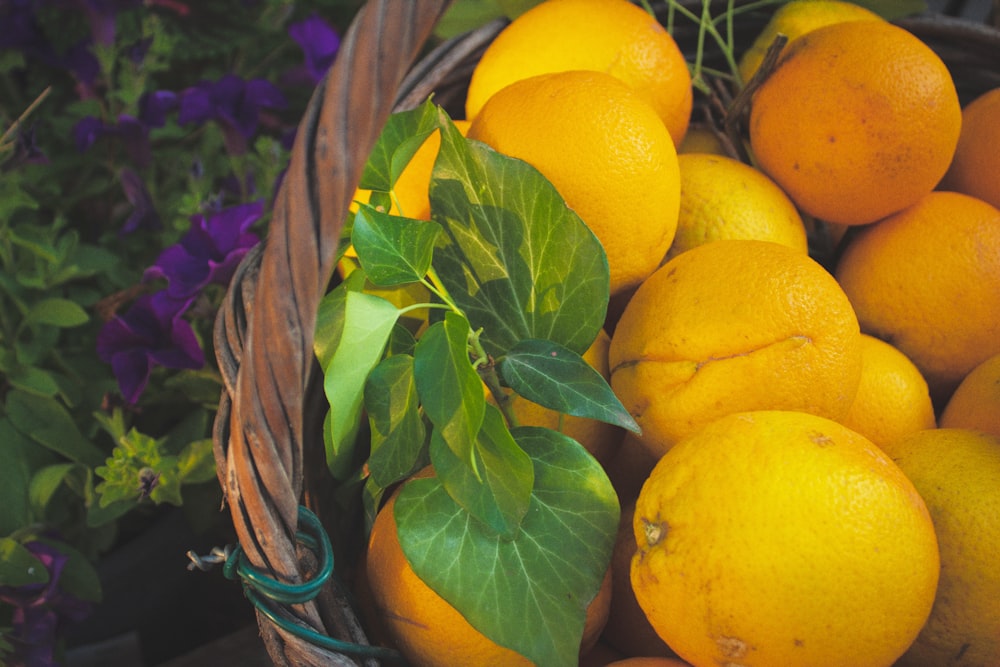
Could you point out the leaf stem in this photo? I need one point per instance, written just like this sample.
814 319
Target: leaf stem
437 287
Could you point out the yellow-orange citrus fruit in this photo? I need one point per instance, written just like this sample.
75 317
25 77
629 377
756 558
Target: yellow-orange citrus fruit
893 399
927 280
605 151
612 36
648 662
628 629
783 538
701 139
976 402
723 198
795 19
859 120
424 627
957 473
731 326
976 165
599 438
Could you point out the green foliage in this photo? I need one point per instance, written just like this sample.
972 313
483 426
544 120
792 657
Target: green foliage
518 288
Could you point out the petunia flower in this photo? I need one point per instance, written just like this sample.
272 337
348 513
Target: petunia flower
319 43
144 215
133 134
209 252
233 103
154 107
39 610
151 333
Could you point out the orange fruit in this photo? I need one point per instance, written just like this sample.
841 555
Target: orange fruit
648 662
612 36
723 198
957 472
426 628
976 402
974 169
730 326
893 399
783 538
927 280
873 126
605 151
599 438
795 19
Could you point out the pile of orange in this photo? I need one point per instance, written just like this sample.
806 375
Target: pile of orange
817 481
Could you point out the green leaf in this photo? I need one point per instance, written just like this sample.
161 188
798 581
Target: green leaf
529 593
48 423
399 140
33 380
15 476
393 250
18 567
57 312
330 317
78 577
368 321
500 496
398 435
517 261
196 462
449 387
45 482
560 379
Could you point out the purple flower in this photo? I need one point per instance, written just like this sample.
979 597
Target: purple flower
232 102
39 610
154 107
133 134
144 215
150 333
319 42
209 252
103 17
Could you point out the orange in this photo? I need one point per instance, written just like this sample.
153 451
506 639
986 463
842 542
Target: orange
607 153
723 198
424 627
976 165
731 326
893 399
976 402
783 538
927 280
648 662
795 19
599 438
612 36
859 120
957 472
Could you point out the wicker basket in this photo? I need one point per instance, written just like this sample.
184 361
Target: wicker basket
268 432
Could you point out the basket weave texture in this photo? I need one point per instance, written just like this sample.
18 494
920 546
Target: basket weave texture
268 433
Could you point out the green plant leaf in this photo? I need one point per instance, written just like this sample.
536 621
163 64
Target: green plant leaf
449 387
58 313
560 379
15 476
33 380
500 496
514 257
45 482
78 576
330 317
18 567
400 138
393 250
368 321
398 435
48 423
196 462
529 593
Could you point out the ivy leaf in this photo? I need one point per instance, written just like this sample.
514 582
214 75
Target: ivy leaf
529 593
500 496
402 135
449 387
367 322
517 261
393 250
398 433
18 566
560 379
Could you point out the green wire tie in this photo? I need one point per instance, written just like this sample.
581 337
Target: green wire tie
264 591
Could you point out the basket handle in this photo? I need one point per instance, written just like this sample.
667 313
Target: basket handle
264 331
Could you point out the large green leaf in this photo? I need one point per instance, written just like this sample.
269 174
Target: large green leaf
500 495
48 423
367 322
398 432
57 312
529 593
514 257
393 250
560 379
449 387
18 567
15 475
399 140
